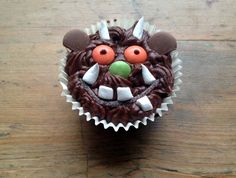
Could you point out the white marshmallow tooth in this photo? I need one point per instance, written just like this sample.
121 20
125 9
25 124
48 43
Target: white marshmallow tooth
144 103
124 94
138 29
147 76
105 92
103 31
91 75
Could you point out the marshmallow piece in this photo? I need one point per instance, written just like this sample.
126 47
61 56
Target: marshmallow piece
105 92
147 76
103 31
144 103
91 75
138 29
124 93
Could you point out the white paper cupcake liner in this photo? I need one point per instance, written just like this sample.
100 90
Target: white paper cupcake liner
176 68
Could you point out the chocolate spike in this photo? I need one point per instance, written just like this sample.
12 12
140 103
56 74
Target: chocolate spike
76 40
162 42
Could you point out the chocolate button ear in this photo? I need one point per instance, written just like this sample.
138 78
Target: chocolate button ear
162 42
76 40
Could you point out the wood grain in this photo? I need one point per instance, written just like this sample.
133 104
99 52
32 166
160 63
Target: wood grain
41 137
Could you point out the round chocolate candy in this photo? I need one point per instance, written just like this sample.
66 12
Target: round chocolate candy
162 42
76 40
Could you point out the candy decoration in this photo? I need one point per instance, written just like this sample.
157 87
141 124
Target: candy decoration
138 29
91 75
124 94
135 54
103 31
105 92
103 54
76 40
162 42
147 76
120 68
144 103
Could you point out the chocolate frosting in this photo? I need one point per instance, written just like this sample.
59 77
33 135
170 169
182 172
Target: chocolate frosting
78 62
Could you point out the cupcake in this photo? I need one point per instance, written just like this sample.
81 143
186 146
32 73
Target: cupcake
120 76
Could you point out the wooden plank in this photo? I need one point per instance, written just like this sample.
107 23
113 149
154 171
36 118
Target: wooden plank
41 137
187 20
40 132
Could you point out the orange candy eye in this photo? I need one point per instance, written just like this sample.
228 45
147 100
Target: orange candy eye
103 54
135 54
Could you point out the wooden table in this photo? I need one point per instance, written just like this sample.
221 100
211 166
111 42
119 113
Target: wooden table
41 137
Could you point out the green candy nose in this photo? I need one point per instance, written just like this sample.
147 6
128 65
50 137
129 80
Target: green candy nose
120 68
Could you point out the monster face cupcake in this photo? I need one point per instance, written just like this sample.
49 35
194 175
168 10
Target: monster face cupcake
119 77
